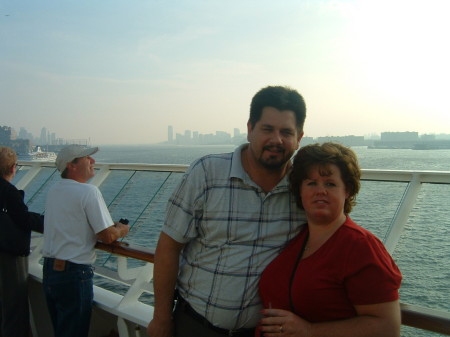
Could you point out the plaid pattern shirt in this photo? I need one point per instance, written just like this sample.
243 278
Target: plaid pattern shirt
232 230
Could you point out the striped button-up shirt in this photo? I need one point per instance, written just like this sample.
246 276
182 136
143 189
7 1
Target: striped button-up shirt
232 230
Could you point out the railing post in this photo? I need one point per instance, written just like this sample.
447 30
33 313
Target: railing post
100 176
122 327
401 215
140 284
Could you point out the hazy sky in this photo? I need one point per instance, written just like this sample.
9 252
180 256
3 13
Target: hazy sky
120 72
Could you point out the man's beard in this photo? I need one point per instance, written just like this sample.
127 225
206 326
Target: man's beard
272 163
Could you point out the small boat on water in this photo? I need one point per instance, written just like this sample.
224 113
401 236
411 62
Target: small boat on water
123 291
38 155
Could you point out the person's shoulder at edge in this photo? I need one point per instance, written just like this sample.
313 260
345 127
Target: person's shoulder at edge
9 191
5 186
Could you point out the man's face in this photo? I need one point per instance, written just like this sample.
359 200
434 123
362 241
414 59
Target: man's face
274 138
83 169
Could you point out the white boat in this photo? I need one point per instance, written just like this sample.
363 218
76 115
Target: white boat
38 155
123 291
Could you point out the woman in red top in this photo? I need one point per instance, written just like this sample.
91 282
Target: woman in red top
335 278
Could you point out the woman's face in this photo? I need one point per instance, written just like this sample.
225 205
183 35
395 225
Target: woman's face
323 196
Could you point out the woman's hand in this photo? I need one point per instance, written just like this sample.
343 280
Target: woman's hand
372 320
279 322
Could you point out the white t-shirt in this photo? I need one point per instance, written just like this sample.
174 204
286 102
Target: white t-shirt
74 213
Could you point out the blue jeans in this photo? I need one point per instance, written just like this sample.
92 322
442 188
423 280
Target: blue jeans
69 295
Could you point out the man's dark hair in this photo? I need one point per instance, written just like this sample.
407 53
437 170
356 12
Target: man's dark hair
281 98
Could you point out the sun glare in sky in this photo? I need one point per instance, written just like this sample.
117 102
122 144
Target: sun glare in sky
405 53
120 72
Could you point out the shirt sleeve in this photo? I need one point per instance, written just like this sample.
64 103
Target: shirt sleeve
97 212
372 275
185 206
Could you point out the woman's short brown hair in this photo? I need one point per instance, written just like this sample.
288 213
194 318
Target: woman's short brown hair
324 155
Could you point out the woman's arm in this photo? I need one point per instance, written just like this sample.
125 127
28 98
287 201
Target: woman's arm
18 211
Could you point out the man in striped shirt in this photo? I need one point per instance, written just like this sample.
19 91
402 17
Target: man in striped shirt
229 217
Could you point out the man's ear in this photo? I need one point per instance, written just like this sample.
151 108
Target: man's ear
249 130
299 138
70 166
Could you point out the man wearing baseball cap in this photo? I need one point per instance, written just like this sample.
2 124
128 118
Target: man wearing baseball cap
76 216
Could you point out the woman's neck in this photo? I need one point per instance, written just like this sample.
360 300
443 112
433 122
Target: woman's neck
320 233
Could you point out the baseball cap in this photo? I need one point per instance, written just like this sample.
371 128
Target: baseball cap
69 153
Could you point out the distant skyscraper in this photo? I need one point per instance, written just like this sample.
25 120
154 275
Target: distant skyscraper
43 138
23 134
170 134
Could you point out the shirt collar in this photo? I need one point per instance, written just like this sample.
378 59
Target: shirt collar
237 170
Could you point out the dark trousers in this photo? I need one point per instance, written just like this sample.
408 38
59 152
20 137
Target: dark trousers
188 323
69 294
14 313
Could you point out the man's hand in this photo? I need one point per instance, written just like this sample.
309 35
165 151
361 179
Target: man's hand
160 327
112 233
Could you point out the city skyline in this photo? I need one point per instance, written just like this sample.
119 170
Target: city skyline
386 140
120 72
52 139
47 137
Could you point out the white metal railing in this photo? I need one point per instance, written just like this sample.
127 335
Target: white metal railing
139 279
414 179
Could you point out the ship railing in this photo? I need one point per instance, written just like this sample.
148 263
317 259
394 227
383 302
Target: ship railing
134 302
412 315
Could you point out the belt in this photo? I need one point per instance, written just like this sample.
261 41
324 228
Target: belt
63 265
243 332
